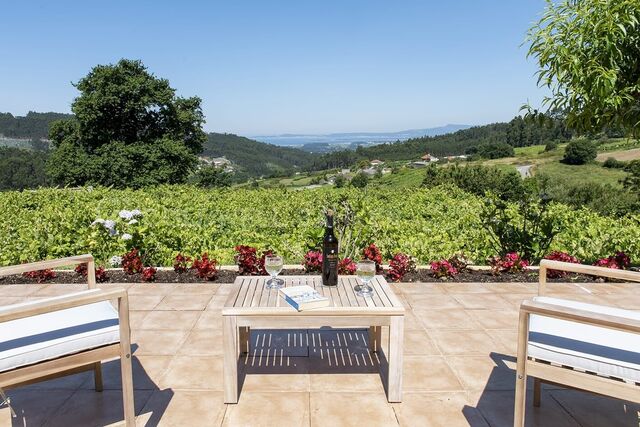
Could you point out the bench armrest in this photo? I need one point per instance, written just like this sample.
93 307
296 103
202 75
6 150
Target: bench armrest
53 263
547 264
577 315
62 303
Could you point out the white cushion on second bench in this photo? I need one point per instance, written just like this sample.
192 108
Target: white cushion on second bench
51 335
591 348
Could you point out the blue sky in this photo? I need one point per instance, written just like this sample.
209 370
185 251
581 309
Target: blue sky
269 67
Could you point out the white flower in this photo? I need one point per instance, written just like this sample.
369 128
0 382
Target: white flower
98 221
115 261
109 224
126 236
133 221
136 213
124 214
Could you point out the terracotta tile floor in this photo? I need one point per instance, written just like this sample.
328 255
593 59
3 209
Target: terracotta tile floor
459 366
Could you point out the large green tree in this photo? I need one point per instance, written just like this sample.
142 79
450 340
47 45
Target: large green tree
589 57
129 130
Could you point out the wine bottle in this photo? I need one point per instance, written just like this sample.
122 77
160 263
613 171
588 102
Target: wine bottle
329 254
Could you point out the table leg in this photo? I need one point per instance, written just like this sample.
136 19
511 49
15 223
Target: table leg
230 359
375 335
396 338
245 334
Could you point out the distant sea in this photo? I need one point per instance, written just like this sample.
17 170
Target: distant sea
355 138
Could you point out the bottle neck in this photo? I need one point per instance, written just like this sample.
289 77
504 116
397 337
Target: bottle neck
329 227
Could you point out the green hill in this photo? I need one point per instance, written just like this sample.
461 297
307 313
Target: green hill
33 125
255 159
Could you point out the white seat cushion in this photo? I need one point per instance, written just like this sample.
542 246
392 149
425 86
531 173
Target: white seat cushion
51 335
604 351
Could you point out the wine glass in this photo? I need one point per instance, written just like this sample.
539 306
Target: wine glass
365 271
273 264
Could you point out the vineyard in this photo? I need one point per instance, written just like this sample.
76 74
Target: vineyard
427 224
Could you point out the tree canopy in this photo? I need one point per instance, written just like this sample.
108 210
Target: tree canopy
129 130
587 52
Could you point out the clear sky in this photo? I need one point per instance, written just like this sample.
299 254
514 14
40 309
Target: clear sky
298 66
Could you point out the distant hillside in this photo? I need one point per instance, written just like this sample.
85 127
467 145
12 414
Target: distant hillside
519 132
253 158
33 125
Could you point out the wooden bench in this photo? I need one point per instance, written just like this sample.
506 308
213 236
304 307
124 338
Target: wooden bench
252 305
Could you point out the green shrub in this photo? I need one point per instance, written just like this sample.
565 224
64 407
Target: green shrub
495 150
579 152
613 163
360 180
550 146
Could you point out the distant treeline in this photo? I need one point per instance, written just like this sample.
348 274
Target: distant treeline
33 125
519 132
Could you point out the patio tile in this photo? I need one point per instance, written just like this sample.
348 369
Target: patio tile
20 290
209 320
180 407
151 289
429 373
481 301
90 408
55 290
347 382
287 374
205 342
147 373
152 342
144 302
437 410
438 319
506 340
193 373
269 409
592 411
418 342
217 302
495 319
351 409
32 407
184 302
497 409
432 302
465 288
510 288
490 372
68 382
136 317
463 342
195 288
161 320
418 288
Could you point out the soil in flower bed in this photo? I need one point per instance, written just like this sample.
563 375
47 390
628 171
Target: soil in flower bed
228 276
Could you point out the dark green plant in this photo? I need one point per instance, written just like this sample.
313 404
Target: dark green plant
129 130
613 163
587 53
550 146
209 177
360 180
339 181
579 152
526 227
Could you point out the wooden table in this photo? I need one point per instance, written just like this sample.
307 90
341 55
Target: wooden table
252 305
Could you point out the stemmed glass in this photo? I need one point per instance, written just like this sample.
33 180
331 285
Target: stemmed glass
365 271
273 264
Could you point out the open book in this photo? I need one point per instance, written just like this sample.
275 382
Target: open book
304 297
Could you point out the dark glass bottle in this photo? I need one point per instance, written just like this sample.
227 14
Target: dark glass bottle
329 254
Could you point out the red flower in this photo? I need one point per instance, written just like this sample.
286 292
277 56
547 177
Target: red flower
180 263
510 263
41 275
131 262
81 269
101 275
372 253
619 261
400 265
313 262
562 257
443 268
149 274
346 266
206 268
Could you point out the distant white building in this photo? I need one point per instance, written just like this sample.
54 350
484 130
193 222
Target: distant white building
218 162
376 162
